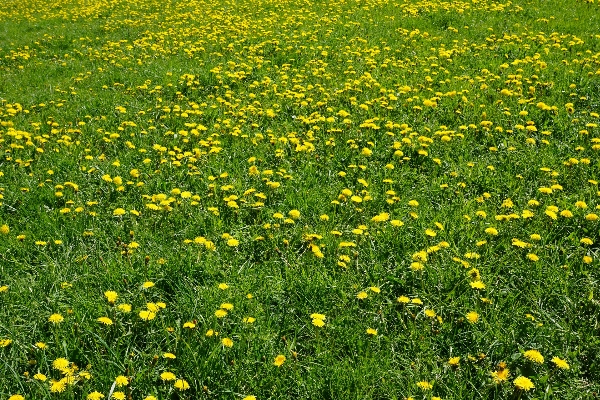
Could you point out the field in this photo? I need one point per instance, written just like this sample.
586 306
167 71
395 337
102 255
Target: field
273 199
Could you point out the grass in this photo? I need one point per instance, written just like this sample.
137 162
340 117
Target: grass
231 170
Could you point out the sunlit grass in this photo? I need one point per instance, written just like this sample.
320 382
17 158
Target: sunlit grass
280 199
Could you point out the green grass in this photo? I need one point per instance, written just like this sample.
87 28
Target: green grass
219 118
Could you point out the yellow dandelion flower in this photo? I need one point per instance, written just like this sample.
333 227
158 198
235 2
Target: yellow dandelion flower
454 361
227 342
279 360
119 396
111 296
181 384
95 396
371 331
560 363
105 320
121 380
189 325
40 377
56 318
424 385
167 376
147 315
523 383
472 317
362 295
535 356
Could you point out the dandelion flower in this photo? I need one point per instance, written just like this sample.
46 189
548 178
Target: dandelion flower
105 320
472 317
560 363
169 355
124 307
40 377
5 342
147 315
119 396
56 318
58 386
372 332
454 361
227 342
249 398
16 397
220 313
168 376
148 285
121 381
319 323
111 296
223 286
189 325
95 396
523 383
424 385
181 384
60 364
362 295
535 356
279 360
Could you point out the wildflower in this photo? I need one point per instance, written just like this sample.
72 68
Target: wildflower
477 285
189 325
60 364
169 355
119 396
5 342
147 315
58 386
472 317
362 295
181 384
319 323
124 307
403 300
294 214
371 331
279 360
501 375
535 356
4 229
95 396
227 342
40 377
16 397
220 313
168 376
424 385
56 318
560 363
121 381
3 289
111 296
105 320
249 398
523 383
249 320
491 231
223 286
148 285
453 361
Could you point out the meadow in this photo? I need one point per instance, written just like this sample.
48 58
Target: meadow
273 199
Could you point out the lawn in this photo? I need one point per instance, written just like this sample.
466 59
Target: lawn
273 199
